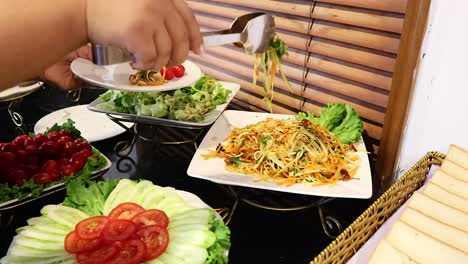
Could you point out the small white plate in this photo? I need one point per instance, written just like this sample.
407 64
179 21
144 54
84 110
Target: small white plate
215 169
93 126
116 76
210 117
18 91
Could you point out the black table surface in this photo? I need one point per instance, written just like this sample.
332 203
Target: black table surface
258 235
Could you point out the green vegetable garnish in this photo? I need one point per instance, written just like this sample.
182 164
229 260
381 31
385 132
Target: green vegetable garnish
67 126
216 253
186 104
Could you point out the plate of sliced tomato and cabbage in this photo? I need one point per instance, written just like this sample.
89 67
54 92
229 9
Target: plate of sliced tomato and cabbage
122 221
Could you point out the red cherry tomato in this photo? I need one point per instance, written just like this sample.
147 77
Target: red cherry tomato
67 170
19 140
78 161
22 155
52 168
156 239
179 71
7 159
74 244
126 211
83 146
131 252
49 150
53 136
152 217
65 133
41 178
63 162
30 141
10 147
66 139
91 228
31 169
40 138
118 230
98 256
32 150
169 74
16 176
86 152
69 149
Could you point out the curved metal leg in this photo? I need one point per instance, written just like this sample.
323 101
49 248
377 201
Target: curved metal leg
331 226
15 116
73 96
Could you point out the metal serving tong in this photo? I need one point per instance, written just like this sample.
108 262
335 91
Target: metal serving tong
253 31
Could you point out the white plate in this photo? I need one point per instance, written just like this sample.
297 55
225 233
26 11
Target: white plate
210 117
116 76
18 91
215 169
93 126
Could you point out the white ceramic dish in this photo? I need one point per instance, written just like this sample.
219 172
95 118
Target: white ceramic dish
93 126
210 117
116 76
18 91
214 169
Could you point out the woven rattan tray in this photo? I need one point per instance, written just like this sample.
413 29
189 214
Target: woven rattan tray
353 237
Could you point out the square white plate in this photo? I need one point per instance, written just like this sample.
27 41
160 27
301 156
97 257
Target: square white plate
210 117
215 170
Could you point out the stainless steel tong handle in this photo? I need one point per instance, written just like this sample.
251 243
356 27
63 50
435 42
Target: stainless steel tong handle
221 37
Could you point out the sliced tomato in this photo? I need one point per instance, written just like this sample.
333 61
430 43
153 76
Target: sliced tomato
118 230
131 252
126 211
98 256
91 228
156 239
152 217
74 244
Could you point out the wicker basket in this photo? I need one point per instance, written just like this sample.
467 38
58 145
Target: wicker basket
353 237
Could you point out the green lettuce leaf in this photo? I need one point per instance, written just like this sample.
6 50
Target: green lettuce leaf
332 115
350 129
68 126
217 252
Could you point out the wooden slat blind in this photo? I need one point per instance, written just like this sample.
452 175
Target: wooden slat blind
339 51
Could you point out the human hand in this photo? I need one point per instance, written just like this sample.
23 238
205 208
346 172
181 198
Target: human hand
157 33
60 73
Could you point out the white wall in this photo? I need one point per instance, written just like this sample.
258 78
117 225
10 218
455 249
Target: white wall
438 110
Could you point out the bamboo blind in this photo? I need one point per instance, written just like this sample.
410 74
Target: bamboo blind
339 51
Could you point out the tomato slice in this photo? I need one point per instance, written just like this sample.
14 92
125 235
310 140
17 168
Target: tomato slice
118 229
156 239
126 211
74 244
131 252
91 228
100 255
152 217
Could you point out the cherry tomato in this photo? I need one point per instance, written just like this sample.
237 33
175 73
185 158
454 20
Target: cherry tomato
86 152
132 252
19 140
179 71
77 161
7 159
83 146
69 149
98 256
41 178
32 150
40 138
169 74
10 147
126 211
67 170
156 239
152 217
118 230
91 228
30 141
49 150
22 155
52 168
63 162
53 136
31 169
65 133
17 177
74 244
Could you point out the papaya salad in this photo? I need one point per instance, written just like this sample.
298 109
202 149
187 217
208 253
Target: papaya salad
266 65
305 149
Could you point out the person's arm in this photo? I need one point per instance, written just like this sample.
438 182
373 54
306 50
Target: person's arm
35 34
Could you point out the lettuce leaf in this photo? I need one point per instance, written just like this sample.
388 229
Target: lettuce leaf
350 129
88 196
68 126
217 252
